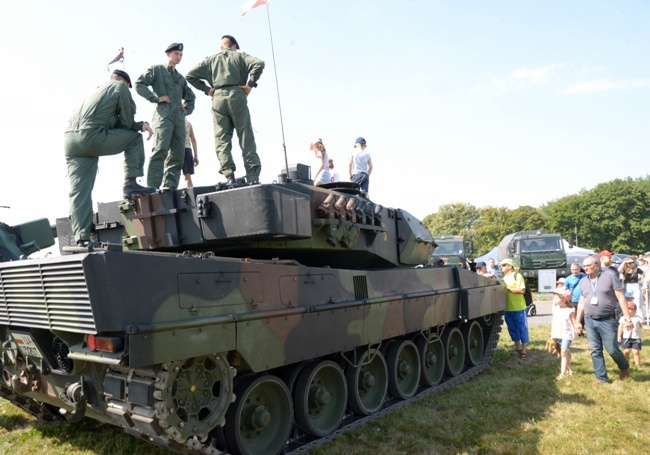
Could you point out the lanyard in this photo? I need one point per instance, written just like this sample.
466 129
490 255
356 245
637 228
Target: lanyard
594 284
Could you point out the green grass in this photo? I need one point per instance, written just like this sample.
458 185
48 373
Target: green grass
514 407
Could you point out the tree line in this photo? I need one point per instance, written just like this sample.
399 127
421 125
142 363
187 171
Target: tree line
613 215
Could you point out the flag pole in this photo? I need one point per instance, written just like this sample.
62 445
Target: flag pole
277 89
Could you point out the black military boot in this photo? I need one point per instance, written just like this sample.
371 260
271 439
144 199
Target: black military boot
132 188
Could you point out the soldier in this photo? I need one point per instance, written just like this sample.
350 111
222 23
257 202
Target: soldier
231 76
103 125
169 90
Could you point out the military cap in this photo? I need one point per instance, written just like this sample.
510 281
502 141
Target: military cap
232 40
174 47
123 75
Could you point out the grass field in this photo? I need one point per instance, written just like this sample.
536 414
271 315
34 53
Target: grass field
515 407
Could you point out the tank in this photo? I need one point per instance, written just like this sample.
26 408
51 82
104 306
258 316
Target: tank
245 319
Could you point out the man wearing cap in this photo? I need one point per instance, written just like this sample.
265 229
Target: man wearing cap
605 258
600 291
515 315
360 166
170 89
102 125
230 76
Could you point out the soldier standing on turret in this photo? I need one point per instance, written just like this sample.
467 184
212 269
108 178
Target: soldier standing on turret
231 76
169 90
103 125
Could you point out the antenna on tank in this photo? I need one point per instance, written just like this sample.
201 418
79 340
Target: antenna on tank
246 7
277 89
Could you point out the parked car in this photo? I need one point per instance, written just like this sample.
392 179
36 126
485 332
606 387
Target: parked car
618 258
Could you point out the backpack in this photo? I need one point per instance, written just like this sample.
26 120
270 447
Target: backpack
528 294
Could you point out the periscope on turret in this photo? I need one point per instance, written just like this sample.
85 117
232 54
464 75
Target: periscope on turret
242 318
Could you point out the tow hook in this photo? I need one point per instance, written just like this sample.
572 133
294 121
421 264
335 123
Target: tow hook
75 397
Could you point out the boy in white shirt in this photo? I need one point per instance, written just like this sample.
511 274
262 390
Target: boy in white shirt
631 339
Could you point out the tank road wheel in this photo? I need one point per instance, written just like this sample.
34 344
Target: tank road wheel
320 398
404 369
488 319
260 420
367 383
432 358
454 351
473 336
192 396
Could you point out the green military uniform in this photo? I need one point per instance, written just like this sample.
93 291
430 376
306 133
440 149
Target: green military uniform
224 72
168 123
103 125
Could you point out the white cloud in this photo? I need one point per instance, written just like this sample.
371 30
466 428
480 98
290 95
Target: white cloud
526 77
604 85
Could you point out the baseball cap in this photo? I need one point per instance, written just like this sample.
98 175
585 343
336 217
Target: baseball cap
360 140
507 261
561 280
605 253
564 293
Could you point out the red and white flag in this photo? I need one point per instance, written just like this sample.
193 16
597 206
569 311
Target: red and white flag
250 4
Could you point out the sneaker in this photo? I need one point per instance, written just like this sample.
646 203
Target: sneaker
231 180
559 377
625 374
132 188
569 373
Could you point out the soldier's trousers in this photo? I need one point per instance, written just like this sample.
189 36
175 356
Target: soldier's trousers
82 152
230 113
166 159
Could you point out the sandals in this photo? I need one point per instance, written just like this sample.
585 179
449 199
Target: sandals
523 356
569 373
559 377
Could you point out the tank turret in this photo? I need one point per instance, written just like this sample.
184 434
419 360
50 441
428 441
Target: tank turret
331 225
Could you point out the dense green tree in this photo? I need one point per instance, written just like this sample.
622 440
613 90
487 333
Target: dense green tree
453 219
613 215
492 226
527 218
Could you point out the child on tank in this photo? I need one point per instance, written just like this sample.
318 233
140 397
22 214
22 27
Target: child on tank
563 328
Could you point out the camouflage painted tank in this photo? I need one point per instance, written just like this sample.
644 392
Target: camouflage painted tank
250 319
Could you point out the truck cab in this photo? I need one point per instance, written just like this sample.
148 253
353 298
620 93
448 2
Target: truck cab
533 251
451 250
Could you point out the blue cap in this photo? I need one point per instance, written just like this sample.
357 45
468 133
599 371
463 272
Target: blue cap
360 140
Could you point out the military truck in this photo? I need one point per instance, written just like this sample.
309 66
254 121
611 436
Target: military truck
246 319
533 251
452 250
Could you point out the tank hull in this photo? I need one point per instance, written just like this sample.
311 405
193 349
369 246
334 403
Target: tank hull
202 329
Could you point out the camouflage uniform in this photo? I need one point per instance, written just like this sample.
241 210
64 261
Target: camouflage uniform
168 123
102 125
224 72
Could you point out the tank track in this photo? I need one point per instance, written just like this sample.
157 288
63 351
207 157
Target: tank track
304 445
31 406
299 443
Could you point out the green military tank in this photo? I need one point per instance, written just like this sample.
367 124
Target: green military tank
249 319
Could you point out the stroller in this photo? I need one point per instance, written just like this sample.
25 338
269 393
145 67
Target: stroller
531 309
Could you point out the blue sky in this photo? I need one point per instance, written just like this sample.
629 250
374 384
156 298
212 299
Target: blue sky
501 103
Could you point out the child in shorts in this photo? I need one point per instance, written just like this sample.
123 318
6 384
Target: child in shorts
631 339
563 328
